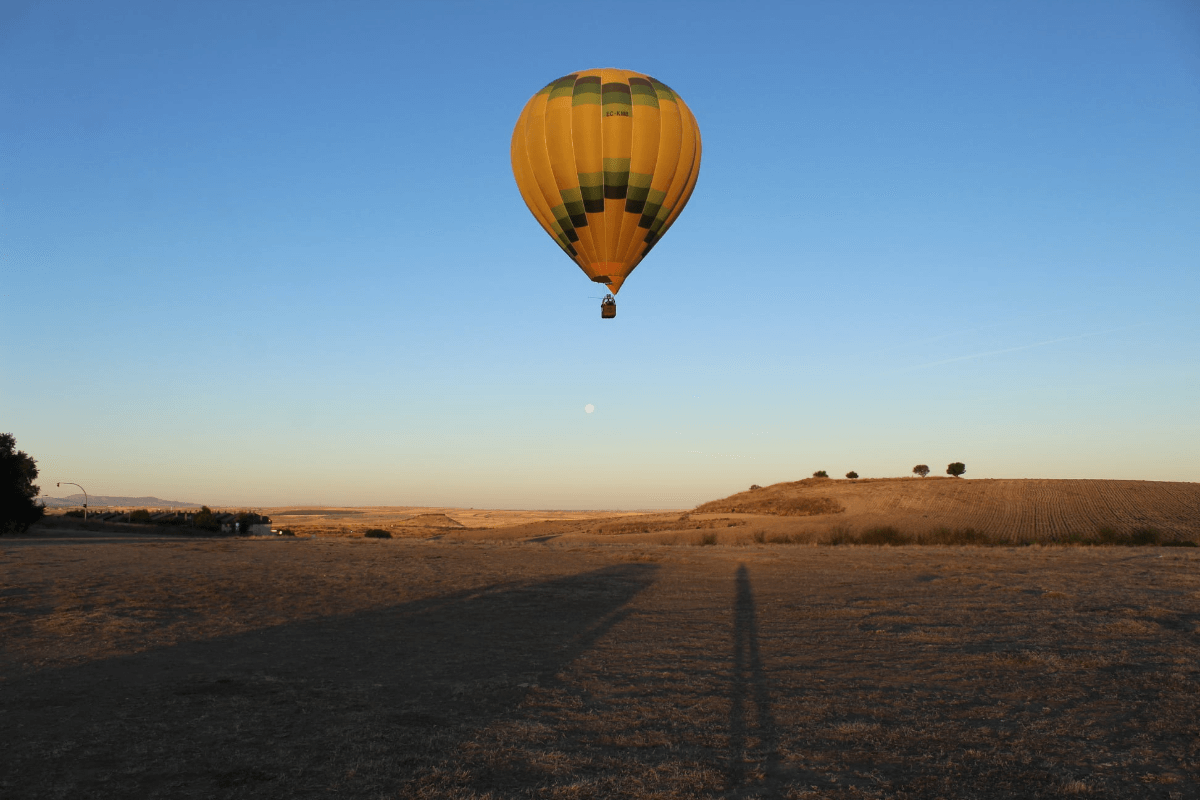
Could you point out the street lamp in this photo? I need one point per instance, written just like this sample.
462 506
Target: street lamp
85 497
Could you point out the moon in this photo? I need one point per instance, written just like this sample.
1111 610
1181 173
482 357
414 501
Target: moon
589 408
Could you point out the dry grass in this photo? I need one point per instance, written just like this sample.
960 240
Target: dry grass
889 511
959 511
307 520
804 498
155 667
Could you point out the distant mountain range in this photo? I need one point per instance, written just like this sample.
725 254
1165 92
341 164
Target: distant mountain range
97 500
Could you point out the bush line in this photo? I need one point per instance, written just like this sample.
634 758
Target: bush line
890 536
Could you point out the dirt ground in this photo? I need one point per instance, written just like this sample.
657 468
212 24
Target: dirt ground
141 666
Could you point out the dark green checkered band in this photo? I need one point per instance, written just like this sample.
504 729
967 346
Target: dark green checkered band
616 178
574 206
565 244
664 92
642 92
591 187
563 219
655 232
586 91
659 221
562 87
639 189
653 204
616 98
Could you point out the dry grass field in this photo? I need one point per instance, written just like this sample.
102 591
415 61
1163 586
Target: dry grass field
820 511
411 519
723 652
141 666
1007 511
904 510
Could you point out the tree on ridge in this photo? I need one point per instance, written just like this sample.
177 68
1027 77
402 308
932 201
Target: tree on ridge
921 469
956 469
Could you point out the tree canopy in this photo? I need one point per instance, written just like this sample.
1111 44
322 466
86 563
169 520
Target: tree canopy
956 469
921 469
18 506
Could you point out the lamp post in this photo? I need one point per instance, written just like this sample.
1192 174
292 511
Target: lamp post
85 497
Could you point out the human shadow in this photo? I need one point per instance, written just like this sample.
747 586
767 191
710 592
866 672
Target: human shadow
351 705
753 734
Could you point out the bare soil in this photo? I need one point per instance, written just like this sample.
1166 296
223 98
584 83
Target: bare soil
421 667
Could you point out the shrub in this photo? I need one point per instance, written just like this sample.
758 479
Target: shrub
820 474
957 536
885 535
840 534
1143 537
287 532
956 469
852 475
755 487
708 539
74 512
1184 543
921 469
141 516
1138 537
377 533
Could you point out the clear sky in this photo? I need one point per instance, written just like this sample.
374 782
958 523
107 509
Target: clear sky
267 253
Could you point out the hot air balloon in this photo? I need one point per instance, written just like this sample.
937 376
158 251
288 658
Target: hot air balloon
605 160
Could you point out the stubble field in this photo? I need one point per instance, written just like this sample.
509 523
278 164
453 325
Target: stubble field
137 666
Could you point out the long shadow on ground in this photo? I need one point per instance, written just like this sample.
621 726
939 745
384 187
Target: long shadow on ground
753 738
353 706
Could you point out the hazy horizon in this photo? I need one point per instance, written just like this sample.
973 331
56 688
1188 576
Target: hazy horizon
275 254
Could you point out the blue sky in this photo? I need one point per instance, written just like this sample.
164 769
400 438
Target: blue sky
269 253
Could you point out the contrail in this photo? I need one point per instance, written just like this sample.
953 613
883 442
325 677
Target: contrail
1022 347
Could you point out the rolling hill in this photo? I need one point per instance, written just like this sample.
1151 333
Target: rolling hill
1039 509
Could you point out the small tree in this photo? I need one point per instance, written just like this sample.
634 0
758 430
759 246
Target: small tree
18 508
921 469
852 475
820 474
956 469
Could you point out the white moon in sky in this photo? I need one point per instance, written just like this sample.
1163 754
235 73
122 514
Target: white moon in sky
589 408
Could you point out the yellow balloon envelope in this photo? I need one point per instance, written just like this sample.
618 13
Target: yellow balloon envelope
606 159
